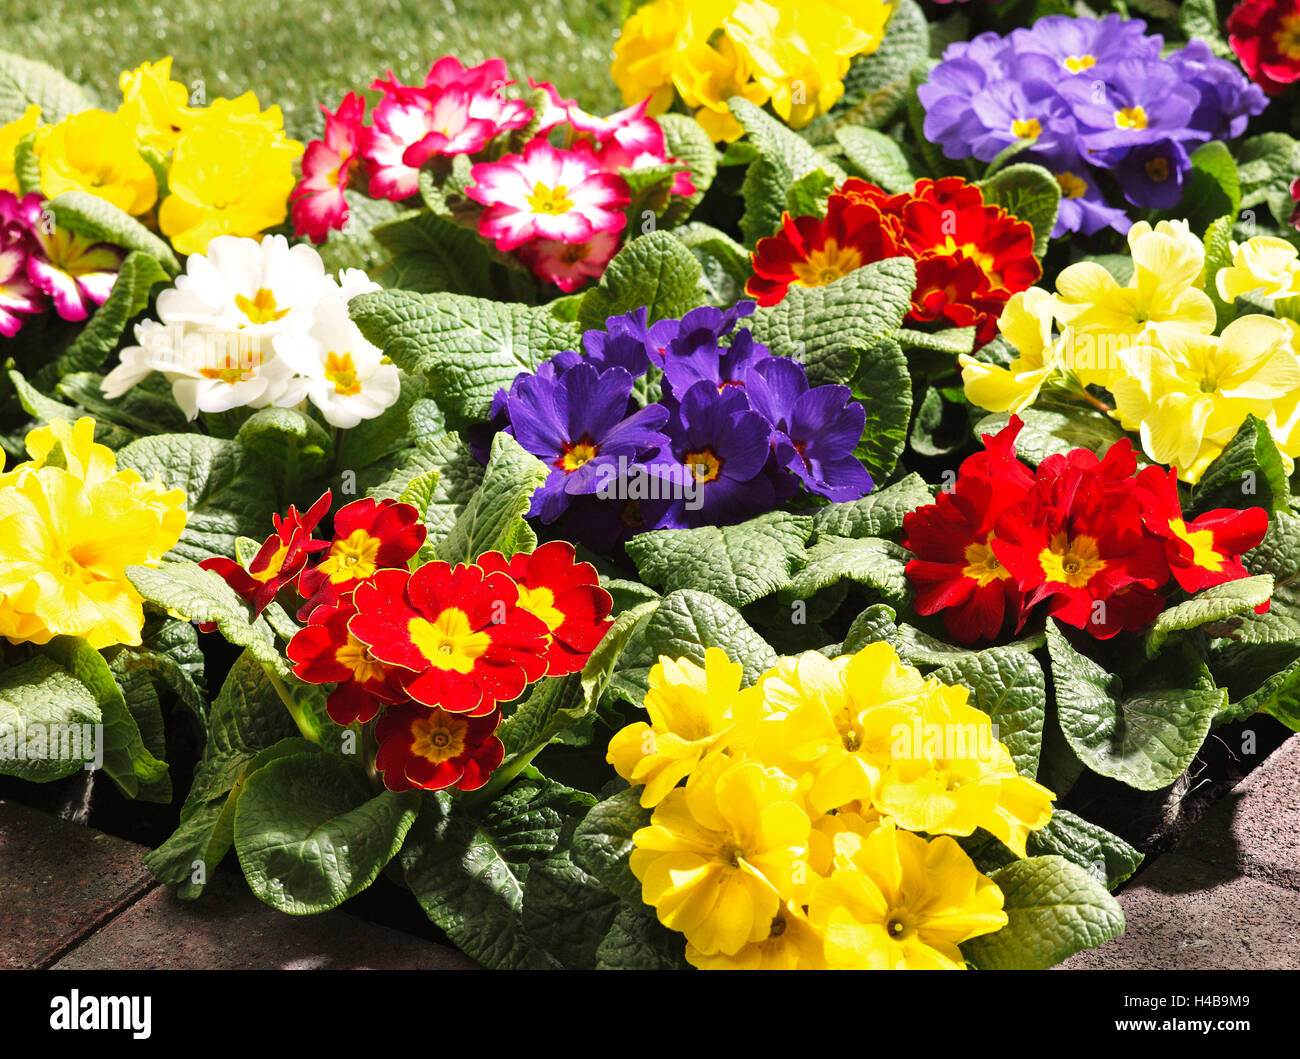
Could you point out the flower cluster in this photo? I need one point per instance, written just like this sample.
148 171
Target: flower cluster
735 430
970 256
71 523
1151 343
431 651
221 169
796 841
1093 539
1265 35
1092 96
43 265
261 323
792 54
559 210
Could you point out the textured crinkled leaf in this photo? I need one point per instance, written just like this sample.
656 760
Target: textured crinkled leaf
655 270
492 517
1008 684
637 941
1029 193
688 622
877 83
38 695
725 263
603 841
292 442
1214 604
1278 555
1248 472
686 141
876 157
738 564
1048 432
99 219
459 475
567 911
1108 858
392 431
878 514
25 81
868 561
1054 909
135 279
429 253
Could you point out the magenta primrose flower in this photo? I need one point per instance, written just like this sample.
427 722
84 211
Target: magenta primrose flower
318 202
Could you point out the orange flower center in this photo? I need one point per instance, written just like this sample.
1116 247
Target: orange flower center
357 657
1158 169
342 372
1287 36
1027 129
260 308
1072 562
540 601
353 558
1075 63
982 565
577 453
1204 553
1072 187
438 737
234 367
1130 118
827 264
705 465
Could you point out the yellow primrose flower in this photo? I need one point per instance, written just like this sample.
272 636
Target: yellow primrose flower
950 775
1026 323
70 525
833 721
231 174
800 53
9 136
904 903
707 76
792 944
1189 398
722 854
643 53
98 153
1163 297
692 711
159 105
1263 264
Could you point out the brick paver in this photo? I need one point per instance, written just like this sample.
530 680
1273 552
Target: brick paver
58 882
1228 897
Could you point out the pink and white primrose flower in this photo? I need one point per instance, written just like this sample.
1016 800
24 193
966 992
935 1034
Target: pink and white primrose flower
601 129
318 202
450 125
638 145
557 107
19 296
547 193
399 122
570 265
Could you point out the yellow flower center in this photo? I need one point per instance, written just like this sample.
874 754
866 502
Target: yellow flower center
438 737
540 602
340 370
1204 554
1072 187
1075 63
982 565
234 367
1287 36
448 642
979 255
549 200
1158 168
273 567
354 558
1027 129
704 465
577 453
261 307
1130 118
828 264
357 657
1074 562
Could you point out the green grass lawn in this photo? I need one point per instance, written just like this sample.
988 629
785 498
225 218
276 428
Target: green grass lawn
299 54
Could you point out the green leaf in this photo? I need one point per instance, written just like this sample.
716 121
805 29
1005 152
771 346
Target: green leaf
309 834
187 590
1048 432
951 340
688 622
136 278
602 843
877 158
432 253
292 442
45 715
828 328
493 518
467 347
101 220
877 84
458 474
690 145
1146 737
1199 20
1278 555
1266 166
1218 255
737 564
920 649
654 270
1248 472
637 941
725 263
1108 858
468 869
876 624
395 429
878 514
1008 684
141 409
867 561
127 761
355 246
1214 604
1028 192
884 387
27 167
44 409
25 81
783 158
229 492
808 196
1278 696
1054 909
1213 189
567 911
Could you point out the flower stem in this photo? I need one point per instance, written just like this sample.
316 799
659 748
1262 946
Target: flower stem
305 724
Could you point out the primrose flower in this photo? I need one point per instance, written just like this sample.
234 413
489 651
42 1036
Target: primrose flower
719 857
1026 323
570 265
325 652
98 153
318 201
434 749
159 104
692 712
1261 265
792 944
19 296
902 902
546 193
10 135
76 271
67 535
1265 35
